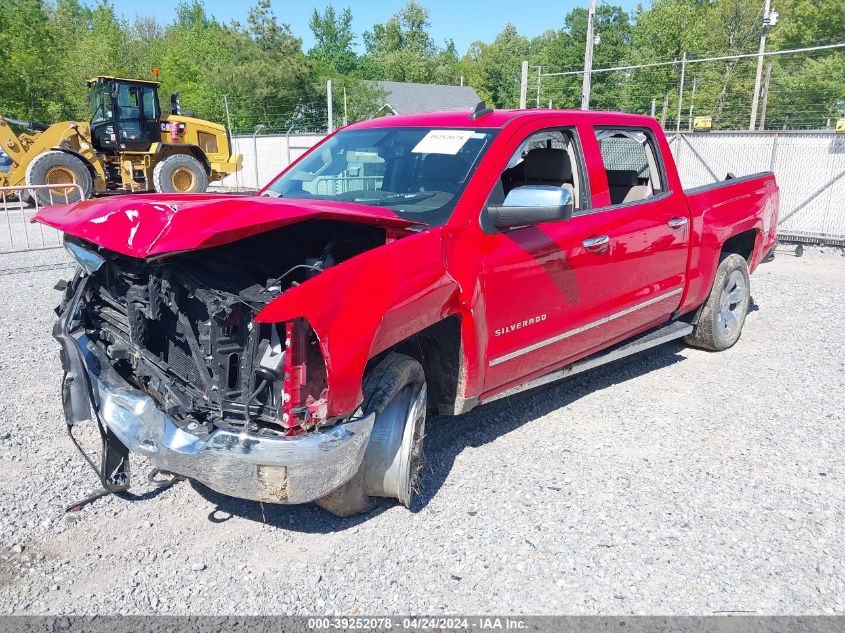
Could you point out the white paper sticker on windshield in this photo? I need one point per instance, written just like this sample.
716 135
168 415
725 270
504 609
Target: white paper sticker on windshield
443 142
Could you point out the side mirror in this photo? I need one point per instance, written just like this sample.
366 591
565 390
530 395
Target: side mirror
525 206
175 105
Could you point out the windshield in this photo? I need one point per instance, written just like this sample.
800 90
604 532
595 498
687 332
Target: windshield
418 173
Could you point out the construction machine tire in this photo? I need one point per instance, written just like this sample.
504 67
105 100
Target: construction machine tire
57 168
26 199
180 173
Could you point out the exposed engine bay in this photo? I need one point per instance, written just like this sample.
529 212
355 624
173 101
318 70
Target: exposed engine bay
182 328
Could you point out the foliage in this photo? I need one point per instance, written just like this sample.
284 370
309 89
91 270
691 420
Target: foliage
48 48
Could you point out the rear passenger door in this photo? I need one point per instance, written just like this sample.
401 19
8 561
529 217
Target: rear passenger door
645 230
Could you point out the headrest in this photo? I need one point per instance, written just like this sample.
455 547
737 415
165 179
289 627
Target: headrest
622 178
545 163
442 167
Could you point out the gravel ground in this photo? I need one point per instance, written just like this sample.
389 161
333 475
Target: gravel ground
679 482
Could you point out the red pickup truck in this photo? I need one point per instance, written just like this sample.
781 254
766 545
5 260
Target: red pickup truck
285 347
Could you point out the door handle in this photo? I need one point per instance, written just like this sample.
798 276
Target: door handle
595 243
676 223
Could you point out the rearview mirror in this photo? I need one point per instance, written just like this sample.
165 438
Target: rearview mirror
536 204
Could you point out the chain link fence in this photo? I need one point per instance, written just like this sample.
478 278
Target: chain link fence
809 167
800 89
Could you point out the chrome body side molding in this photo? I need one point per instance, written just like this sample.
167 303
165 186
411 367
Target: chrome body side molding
650 339
589 326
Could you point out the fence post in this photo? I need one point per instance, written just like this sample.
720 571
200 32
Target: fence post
232 139
774 155
692 101
523 86
766 84
681 91
329 107
258 128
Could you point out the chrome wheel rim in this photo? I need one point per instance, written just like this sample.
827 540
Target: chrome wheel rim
394 459
732 304
411 450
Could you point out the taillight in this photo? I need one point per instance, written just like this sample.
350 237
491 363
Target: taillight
304 385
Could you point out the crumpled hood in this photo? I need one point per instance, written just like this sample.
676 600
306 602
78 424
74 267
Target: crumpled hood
146 225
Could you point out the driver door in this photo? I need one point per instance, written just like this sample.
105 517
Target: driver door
541 285
137 115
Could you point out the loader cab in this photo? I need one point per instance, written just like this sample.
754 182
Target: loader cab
125 114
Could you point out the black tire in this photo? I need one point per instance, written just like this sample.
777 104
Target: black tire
180 173
391 378
26 199
57 167
723 315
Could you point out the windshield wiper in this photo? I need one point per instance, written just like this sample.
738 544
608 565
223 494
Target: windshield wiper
399 197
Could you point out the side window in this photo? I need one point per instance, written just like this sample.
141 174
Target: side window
631 163
546 158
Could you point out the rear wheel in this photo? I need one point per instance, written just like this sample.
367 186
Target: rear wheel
720 322
60 169
180 173
395 391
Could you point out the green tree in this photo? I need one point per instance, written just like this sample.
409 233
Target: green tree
667 30
401 49
494 69
28 55
333 51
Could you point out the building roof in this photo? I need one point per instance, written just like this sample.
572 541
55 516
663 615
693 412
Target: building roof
408 98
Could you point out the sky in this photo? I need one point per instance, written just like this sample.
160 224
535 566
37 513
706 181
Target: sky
464 21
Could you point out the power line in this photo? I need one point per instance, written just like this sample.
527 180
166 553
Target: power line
676 62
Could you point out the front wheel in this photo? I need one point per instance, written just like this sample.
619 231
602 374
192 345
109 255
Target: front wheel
61 170
722 317
395 391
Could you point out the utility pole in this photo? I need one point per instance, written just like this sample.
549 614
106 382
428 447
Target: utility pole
523 86
770 18
345 109
588 57
653 106
765 96
539 79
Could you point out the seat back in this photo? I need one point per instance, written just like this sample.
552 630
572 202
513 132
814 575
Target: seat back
442 172
624 185
547 166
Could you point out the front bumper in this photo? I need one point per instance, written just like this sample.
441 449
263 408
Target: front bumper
272 469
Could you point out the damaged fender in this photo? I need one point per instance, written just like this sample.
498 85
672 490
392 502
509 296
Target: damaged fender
369 303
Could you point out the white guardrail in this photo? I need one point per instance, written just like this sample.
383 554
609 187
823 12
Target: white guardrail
19 204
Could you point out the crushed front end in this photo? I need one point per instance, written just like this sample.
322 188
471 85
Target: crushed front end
167 357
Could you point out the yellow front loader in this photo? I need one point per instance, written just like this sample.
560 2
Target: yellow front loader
128 145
